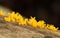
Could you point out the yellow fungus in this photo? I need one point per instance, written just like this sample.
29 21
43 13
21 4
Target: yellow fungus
18 18
41 24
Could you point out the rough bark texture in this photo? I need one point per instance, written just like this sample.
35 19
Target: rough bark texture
13 30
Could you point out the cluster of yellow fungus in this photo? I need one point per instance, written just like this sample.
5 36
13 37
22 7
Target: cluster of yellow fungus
18 18
51 27
15 18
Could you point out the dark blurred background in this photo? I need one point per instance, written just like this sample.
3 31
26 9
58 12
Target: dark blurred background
47 10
